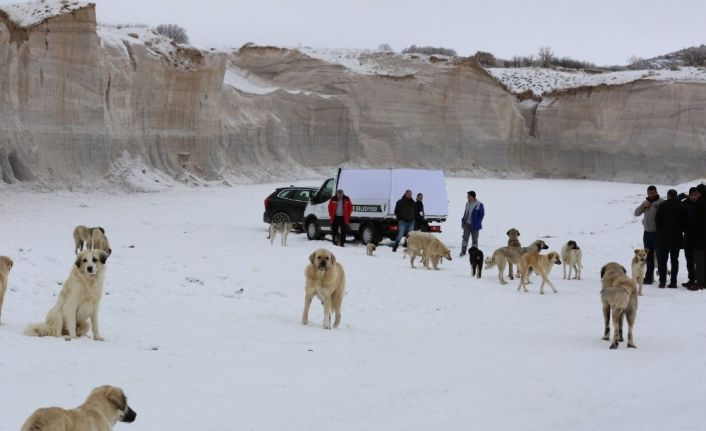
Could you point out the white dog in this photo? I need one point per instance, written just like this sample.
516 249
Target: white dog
282 228
78 301
571 257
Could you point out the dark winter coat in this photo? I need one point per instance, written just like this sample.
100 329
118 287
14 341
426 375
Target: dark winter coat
697 224
405 209
671 222
419 215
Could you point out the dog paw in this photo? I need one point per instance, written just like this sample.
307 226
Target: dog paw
632 346
606 338
98 339
613 346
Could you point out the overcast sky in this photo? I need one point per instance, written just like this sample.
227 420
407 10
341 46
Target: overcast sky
601 31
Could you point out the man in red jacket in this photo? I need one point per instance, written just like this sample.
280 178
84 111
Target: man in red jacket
339 213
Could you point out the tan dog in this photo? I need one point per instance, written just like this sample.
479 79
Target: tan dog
512 241
83 237
435 251
571 256
282 228
417 243
100 242
326 280
542 265
505 255
5 267
78 301
370 248
639 267
619 297
105 406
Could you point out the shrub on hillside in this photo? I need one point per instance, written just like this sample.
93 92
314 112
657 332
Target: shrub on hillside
429 50
175 32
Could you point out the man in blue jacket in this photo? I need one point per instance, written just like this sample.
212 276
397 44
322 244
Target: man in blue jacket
471 221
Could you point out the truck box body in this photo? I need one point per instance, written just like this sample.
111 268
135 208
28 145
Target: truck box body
374 193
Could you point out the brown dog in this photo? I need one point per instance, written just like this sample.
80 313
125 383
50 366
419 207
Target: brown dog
619 297
105 406
639 267
326 280
505 255
542 265
5 267
83 237
100 242
512 241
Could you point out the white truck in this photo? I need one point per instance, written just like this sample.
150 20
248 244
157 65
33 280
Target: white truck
374 193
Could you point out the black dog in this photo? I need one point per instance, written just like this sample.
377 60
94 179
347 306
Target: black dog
476 258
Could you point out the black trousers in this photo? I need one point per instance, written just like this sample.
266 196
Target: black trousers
689 255
673 254
649 241
338 229
699 257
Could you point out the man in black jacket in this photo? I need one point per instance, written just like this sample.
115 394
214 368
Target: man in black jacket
698 230
671 222
688 201
419 222
405 209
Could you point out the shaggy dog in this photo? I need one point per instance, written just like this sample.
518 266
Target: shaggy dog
5 267
83 236
512 241
639 267
282 228
505 255
619 297
78 301
370 248
326 280
435 251
100 242
542 265
417 243
571 257
105 406
475 255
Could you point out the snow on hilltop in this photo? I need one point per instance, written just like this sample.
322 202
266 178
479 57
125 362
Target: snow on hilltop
540 80
33 13
367 62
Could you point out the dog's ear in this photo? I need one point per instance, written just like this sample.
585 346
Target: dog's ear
508 232
624 270
78 261
333 259
101 229
518 232
603 271
116 397
311 257
103 256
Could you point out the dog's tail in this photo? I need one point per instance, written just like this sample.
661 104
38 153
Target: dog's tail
489 262
39 330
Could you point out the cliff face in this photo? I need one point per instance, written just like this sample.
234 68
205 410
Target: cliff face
81 104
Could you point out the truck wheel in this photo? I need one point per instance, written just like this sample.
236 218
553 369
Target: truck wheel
312 230
367 234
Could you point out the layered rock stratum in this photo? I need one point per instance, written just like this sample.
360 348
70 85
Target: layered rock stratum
82 103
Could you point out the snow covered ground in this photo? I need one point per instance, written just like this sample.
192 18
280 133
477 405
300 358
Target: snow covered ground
540 80
201 319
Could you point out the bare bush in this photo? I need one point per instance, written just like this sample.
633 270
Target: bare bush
174 32
521 61
385 47
545 56
694 56
429 50
485 59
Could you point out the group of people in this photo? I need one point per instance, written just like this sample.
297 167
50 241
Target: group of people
672 224
410 217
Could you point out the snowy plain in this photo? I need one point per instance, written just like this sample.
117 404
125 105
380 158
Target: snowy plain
201 319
